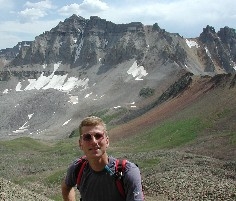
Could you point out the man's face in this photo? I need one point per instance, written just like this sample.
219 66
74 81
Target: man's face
93 141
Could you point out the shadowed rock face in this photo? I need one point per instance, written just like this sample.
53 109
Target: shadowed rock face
83 43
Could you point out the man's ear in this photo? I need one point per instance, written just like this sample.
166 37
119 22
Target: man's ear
107 141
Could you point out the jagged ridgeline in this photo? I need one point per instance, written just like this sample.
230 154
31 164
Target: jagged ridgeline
80 42
94 66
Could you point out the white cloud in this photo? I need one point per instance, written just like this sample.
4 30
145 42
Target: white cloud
30 14
69 9
179 9
186 17
85 9
13 32
34 11
93 6
6 5
46 4
8 40
35 27
179 16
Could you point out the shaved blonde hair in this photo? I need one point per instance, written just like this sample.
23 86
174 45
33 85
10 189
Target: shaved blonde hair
92 121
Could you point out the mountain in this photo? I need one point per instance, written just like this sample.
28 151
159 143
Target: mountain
93 66
6 55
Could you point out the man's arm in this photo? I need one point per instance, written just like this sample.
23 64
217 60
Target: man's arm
133 183
68 193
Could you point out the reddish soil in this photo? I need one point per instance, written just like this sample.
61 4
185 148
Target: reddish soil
211 98
160 113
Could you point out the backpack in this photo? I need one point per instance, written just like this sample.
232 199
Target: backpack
119 170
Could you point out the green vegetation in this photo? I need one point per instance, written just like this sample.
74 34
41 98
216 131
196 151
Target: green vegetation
32 161
233 138
54 178
173 134
108 116
74 133
29 161
148 163
101 113
46 163
146 92
168 135
23 144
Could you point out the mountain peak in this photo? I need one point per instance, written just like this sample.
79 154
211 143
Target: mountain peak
209 29
82 43
208 35
227 34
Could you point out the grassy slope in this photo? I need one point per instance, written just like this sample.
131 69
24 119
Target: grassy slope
201 121
206 109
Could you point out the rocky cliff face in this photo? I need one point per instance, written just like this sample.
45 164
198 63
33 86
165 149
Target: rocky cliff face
221 48
84 43
87 65
8 54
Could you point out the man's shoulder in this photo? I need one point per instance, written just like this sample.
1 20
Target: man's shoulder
127 163
111 158
76 163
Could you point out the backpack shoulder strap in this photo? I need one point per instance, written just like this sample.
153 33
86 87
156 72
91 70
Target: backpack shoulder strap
119 173
80 168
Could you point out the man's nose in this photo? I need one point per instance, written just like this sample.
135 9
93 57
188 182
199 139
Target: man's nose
93 139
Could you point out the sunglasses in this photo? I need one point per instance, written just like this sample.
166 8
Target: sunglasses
88 137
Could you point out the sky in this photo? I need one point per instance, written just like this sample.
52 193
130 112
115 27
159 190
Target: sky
22 20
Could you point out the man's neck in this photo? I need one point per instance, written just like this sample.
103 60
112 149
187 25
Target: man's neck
98 164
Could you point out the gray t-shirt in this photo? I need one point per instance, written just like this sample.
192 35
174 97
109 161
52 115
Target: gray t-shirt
101 186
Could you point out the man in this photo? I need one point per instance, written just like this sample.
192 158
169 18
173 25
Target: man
97 182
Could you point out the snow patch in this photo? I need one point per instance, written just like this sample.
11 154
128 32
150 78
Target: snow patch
24 128
116 107
74 82
78 49
137 71
208 52
234 65
87 95
73 100
186 66
66 122
192 43
58 82
18 87
132 105
30 115
5 91
20 131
